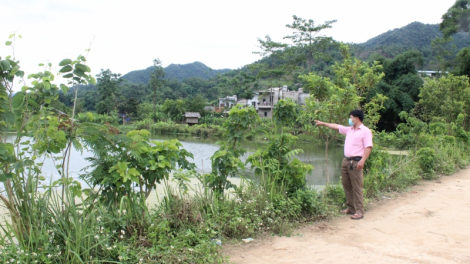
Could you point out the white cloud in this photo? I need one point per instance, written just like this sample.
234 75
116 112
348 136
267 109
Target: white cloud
221 34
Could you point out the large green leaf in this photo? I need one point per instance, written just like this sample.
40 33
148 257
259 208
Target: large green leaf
64 88
66 68
33 103
20 74
82 67
18 99
5 65
68 75
3 178
79 73
47 85
65 62
10 117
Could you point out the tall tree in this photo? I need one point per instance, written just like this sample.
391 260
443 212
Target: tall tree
456 19
108 89
443 52
453 96
357 73
156 81
306 35
401 84
174 109
462 62
129 106
195 104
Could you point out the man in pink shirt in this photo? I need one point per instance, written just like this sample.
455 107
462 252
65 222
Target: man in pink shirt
357 148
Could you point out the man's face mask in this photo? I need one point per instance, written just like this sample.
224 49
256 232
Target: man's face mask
351 123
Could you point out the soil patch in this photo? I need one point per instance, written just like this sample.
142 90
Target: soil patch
428 224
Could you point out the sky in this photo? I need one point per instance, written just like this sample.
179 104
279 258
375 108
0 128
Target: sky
127 35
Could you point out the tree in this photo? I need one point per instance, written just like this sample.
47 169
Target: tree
306 35
40 130
246 86
456 19
272 52
443 52
108 89
226 160
271 49
195 104
401 85
462 62
156 81
359 74
452 94
174 109
129 106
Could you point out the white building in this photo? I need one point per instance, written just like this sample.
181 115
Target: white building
432 73
265 100
253 101
228 101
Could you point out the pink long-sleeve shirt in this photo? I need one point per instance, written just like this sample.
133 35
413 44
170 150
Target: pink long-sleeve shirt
357 140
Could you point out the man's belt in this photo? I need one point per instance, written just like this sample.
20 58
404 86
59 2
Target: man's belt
353 158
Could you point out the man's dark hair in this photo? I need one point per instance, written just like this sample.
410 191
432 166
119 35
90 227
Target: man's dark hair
357 113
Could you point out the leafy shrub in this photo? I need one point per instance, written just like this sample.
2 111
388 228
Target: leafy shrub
336 194
427 161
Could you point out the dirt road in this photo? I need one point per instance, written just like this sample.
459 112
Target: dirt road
428 224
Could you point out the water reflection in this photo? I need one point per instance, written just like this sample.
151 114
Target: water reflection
314 154
204 148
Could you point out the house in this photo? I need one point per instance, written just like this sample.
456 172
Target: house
228 101
253 101
264 100
431 73
268 98
209 108
191 118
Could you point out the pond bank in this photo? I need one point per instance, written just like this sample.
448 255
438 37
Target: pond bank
427 224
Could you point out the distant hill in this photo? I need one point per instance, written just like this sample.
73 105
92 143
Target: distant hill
175 71
414 36
417 35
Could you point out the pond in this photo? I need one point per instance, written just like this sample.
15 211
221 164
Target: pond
204 148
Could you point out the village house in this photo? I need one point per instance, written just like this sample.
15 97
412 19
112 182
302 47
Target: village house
228 101
191 118
252 102
263 101
431 73
268 98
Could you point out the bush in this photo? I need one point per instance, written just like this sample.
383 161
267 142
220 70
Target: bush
427 161
336 194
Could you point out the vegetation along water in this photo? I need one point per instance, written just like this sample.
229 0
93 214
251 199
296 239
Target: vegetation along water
121 131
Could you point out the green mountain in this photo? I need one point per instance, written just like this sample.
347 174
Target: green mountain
175 71
416 35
